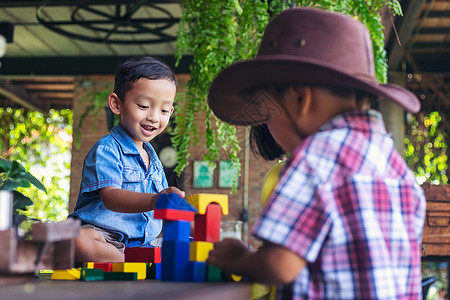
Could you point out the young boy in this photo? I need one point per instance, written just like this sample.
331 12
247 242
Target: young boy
345 220
122 175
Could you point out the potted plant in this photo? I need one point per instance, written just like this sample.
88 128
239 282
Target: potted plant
12 176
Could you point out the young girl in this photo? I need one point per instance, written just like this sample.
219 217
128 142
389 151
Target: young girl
345 220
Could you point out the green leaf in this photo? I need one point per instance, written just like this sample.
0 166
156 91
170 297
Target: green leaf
4 165
33 180
12 184
21 202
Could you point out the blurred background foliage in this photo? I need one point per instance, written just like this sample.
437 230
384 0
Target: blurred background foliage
42 144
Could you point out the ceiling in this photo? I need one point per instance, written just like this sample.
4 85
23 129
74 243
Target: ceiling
54 41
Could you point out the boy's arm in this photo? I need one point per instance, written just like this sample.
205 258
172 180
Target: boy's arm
269 264
125 201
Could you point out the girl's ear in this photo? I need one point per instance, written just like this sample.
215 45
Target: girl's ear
114 103
304 100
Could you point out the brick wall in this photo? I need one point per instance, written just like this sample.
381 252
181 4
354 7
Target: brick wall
94 127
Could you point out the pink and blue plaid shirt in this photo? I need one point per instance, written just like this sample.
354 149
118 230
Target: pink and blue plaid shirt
348 204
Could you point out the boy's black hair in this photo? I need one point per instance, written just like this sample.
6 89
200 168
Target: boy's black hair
263 144
137 68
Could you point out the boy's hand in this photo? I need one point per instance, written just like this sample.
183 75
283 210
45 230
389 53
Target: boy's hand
227 254
173 190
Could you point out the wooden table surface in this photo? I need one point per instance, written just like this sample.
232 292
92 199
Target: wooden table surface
46 289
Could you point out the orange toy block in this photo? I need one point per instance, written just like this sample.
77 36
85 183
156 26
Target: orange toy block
200 250
207 226
131 267
201 202
143 254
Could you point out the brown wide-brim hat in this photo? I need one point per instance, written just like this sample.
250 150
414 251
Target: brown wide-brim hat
302 46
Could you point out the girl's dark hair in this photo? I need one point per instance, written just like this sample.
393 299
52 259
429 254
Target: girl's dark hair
263 144
137 68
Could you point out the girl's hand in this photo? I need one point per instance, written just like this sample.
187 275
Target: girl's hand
227 254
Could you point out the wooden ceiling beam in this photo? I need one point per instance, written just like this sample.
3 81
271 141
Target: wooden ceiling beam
405 32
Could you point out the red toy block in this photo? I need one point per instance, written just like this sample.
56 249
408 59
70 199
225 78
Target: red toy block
142 254
106 267
173 214
207 226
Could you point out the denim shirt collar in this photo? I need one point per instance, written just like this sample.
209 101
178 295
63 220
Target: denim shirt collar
129 146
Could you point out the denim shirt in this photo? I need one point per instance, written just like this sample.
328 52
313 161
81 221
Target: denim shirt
115 161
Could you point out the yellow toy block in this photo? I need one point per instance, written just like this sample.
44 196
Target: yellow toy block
201 201
131 267
199 251
68 274
88 265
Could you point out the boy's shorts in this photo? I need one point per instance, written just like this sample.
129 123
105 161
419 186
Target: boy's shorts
110 237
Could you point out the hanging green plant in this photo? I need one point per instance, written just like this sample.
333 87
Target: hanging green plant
220 32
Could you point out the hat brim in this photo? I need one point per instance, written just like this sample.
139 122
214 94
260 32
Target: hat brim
227 103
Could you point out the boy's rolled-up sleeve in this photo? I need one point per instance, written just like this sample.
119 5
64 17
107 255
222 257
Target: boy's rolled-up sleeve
102 168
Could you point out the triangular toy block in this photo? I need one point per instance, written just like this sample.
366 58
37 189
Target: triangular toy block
176 230
143 254
200 250
173 201
131 267
173 214
207 226
201 201
175 261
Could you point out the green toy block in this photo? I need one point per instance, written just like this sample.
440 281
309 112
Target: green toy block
214 274
109 276
91 274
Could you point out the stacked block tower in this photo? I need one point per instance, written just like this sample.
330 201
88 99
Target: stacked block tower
181 257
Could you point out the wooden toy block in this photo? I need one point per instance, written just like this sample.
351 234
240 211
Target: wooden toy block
201 201
207 226
110 276
68 274
106 267
155 271
231 277
199 250
175 261
88 265
213 274
143 254
173 201
131 267
176 230
173 214
198 271
91 274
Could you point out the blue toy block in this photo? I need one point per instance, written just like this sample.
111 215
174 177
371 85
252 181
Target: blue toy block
155 271
175 261
173 201
176 230
197 270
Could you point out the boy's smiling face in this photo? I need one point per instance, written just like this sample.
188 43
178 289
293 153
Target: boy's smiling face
146 109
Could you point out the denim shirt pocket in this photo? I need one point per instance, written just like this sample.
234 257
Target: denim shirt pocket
133 180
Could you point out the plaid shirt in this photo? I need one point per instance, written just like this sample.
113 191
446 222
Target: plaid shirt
348 204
